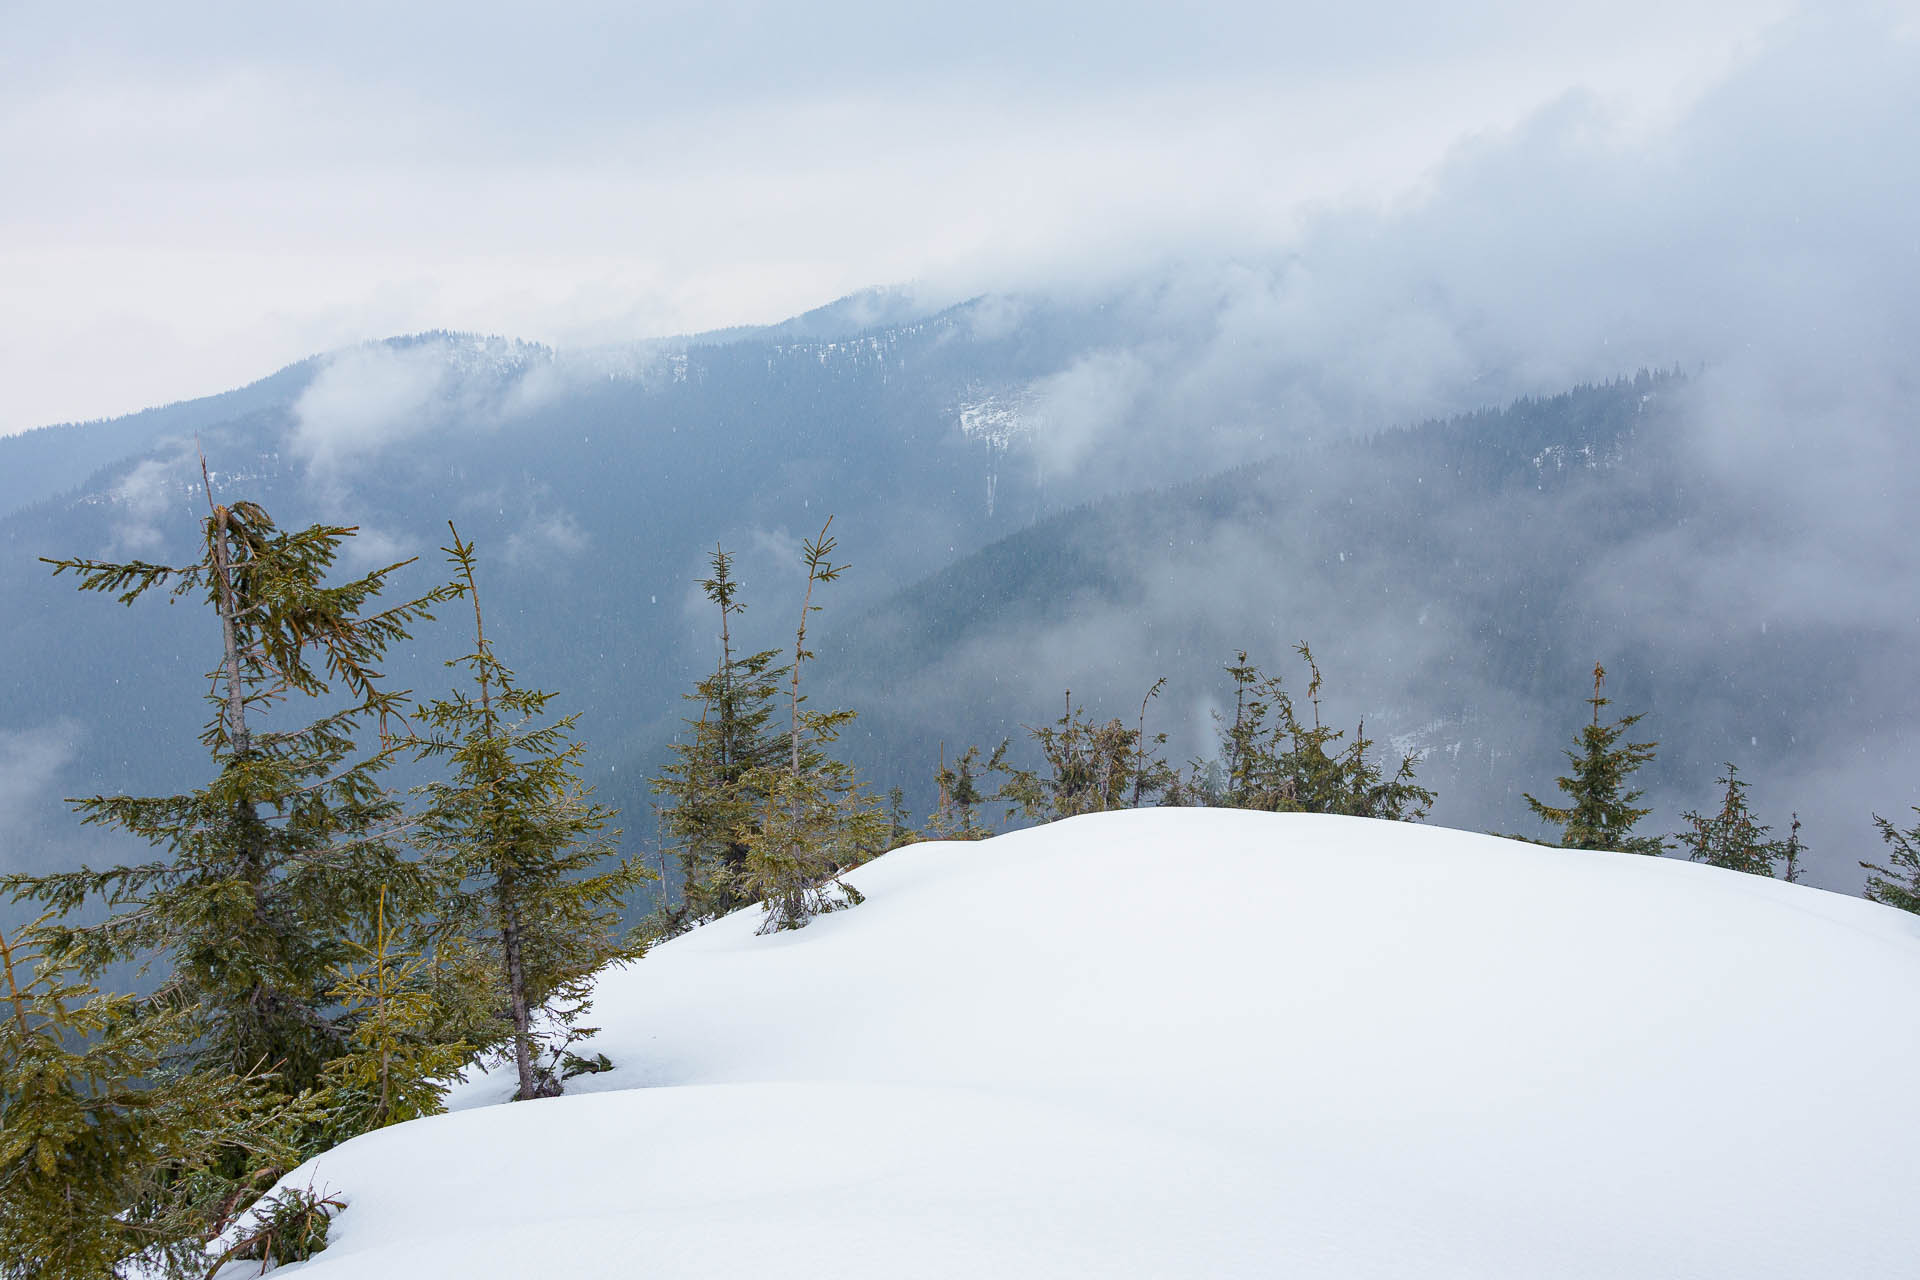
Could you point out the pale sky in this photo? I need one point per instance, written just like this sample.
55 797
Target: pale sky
198 194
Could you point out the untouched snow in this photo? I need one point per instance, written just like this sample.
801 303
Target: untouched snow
1207 1043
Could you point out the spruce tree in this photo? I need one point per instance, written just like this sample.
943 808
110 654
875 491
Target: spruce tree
399 1056
1897 885
1733 839
1271 759
730 747
1600 812
269 869
812 818
527 865
1090 767
113 1161
1790 850
953 816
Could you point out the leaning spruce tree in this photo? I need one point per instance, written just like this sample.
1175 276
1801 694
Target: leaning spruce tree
268 870
1600 812
527 868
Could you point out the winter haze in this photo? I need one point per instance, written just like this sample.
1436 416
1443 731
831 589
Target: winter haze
1192 240
212 191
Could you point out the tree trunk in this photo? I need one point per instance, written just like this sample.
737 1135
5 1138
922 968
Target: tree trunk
517 993
238 739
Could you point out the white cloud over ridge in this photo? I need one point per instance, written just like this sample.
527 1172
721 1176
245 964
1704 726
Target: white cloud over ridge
200 199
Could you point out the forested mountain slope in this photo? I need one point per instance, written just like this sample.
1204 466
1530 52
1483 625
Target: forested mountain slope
1457 578
1457 581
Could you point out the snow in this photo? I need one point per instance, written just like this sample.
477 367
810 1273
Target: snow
1207 1043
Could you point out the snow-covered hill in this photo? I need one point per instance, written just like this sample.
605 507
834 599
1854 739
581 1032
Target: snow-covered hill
1206 1043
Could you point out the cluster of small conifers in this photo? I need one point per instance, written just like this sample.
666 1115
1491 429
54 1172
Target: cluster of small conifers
1270 758
330 953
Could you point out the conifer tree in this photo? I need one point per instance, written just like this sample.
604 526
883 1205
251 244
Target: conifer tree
812 820
1790 851
1897 885
268 869
398 1058
899 821
1733 839
528 865
1090 767
711 784
1273 760
953 816
1601 813
113 1161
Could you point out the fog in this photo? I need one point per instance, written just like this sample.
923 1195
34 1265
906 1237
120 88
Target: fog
198 195
1760 241
1253 233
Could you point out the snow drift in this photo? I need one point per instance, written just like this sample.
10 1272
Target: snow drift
1207 1043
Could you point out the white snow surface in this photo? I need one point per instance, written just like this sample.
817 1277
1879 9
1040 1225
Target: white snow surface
1206 1043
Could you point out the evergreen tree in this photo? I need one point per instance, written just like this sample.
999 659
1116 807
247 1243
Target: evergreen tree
523 852
812 820
398 1059
1090 767
899 822
1601 813
730 748
1790 851
1271 759
1897 885
280 858
1732 838
953 816
113 1161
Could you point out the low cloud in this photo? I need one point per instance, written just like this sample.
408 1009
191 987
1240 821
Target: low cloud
31 761
1086 405
544 538
141 500
367 398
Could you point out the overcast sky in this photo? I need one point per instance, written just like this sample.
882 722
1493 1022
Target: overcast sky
197 194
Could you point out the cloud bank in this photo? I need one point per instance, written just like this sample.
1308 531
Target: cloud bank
203 195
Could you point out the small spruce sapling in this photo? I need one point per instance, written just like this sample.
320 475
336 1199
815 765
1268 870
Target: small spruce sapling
953 817
1733 839
1270 759
1090 767
1790 850
284 1227
397 1066
1600 813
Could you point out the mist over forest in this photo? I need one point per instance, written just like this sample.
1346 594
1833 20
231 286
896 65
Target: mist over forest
1684 353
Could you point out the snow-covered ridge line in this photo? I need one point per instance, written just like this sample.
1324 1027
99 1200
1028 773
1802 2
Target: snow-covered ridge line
1207 1043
